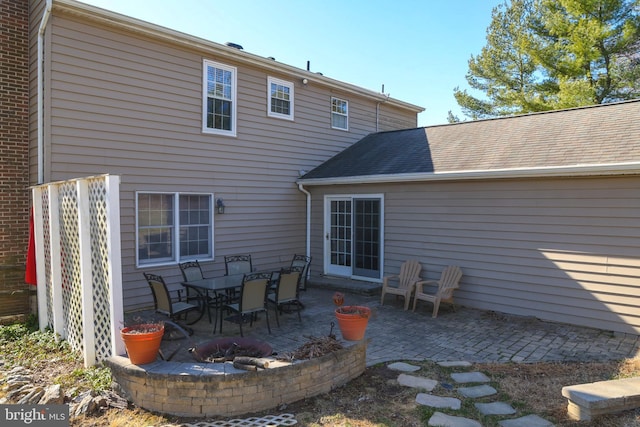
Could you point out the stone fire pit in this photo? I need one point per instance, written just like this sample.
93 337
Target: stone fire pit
198 389
225 349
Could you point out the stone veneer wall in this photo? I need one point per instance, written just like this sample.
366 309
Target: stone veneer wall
218 389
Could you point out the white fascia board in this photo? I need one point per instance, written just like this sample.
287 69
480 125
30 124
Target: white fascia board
632 168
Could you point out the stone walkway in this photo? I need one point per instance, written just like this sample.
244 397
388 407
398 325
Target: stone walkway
471 385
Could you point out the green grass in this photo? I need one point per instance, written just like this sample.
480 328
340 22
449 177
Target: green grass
24 345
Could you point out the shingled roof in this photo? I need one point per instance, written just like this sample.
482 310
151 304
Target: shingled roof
603 139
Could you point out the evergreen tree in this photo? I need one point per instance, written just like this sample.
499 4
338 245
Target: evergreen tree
549 54
452 118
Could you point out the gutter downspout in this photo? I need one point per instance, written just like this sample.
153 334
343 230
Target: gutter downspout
308 232
41 30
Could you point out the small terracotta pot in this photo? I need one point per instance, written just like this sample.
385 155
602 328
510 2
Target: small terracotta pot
353 325
338 298
142 346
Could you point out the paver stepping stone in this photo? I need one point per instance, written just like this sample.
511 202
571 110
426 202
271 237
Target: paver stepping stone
417 382
444 420
470 377
495 408
528 421
437 401
477 391
455 363
404 367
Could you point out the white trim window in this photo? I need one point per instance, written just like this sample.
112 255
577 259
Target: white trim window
173 227
219 98
279 98
339 114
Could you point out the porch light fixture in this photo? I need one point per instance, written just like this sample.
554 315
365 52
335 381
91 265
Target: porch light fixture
220 206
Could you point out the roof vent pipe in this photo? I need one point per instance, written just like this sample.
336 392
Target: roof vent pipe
308 65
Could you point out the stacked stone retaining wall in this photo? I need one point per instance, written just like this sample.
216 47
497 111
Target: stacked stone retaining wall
218 389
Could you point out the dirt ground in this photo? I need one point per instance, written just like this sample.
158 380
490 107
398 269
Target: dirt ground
376 398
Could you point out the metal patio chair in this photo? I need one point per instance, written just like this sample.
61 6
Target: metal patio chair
286 292
237 264
163 301
253 299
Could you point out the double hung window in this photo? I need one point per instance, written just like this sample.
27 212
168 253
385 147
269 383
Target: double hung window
173 227
339 114
280 98
219 99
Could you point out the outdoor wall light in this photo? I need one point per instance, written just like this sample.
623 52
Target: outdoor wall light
220 206
305 81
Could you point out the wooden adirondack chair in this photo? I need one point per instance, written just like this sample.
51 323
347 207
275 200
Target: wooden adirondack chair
406 280
449 281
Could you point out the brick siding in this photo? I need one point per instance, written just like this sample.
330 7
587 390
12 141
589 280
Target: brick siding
14 150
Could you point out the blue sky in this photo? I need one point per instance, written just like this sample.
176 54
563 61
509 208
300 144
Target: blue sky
417 49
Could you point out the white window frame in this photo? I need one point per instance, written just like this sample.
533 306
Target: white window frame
288 85
175 242
346 116
233 97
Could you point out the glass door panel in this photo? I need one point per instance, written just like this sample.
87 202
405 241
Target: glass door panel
366 250
339 236
354 235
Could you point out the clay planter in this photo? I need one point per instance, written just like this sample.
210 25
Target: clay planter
142 342
353 320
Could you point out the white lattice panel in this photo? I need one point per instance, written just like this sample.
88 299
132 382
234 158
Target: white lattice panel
46 242
70 260
100 266
81 257
266 421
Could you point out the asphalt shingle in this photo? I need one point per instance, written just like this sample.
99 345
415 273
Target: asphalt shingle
596 135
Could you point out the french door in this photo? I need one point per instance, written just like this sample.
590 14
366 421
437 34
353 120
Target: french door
353 236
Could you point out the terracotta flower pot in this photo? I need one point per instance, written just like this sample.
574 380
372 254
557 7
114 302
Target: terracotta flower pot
142 342
353 320
338 298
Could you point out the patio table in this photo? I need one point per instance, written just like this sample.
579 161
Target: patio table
213 285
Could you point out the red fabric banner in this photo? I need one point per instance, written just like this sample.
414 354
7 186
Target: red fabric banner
30 276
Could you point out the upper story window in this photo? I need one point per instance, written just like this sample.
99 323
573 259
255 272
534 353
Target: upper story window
173 227
280 98
339 114
219 99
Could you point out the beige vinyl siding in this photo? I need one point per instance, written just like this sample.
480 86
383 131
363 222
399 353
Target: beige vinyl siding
36 9
130 106
565 250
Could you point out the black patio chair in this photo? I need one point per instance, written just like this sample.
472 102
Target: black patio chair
286 292
163 301
191 270
237 264
253 300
